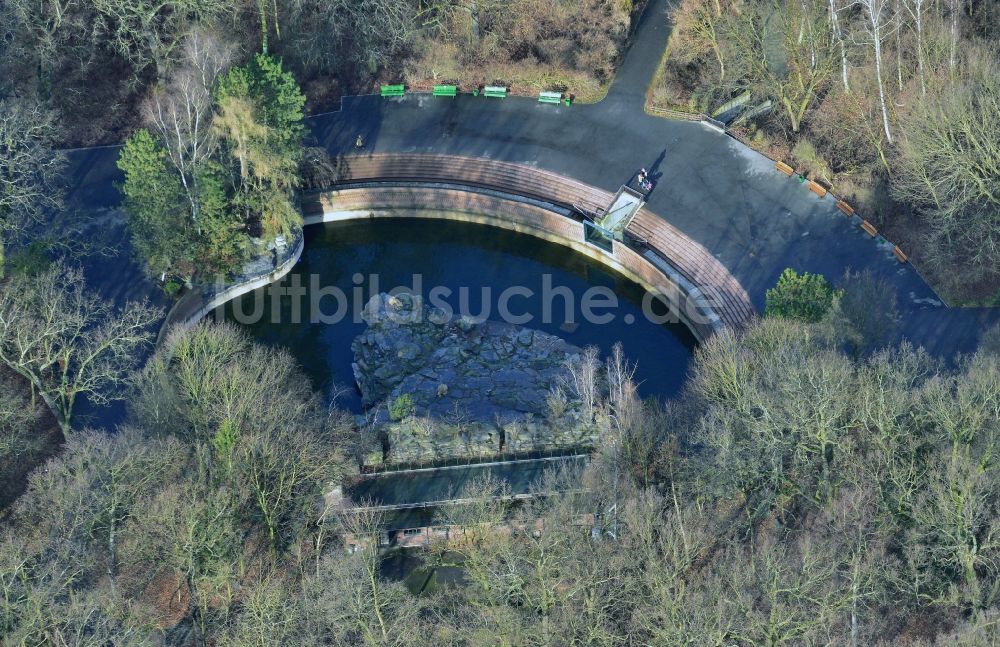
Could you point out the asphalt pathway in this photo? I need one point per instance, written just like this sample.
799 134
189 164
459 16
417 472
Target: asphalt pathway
719 192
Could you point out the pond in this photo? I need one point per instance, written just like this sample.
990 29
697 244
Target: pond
472 269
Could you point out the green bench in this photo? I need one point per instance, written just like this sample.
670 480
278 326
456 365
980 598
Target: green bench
495 91
550 97
397 90
445 90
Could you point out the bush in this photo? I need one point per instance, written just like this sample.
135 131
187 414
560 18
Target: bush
807 156
867 314
804 297
401 407
171 288
990 343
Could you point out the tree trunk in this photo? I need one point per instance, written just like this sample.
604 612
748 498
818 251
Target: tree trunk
191 192
919 18
854 609
843 46
956 6
112 548
718 55
899 53
376 597
263 26
881 88
474 33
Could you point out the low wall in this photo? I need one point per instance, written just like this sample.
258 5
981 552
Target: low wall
693 308
193 306
703 310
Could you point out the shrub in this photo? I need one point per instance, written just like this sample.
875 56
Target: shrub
807 156
171 288
805 297
868 316
401 407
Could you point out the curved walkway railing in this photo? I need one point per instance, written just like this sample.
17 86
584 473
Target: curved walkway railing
197 303
648 234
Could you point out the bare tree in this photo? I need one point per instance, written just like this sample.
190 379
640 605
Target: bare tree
29 168
785 591
349 602
207 386
284 473
697 24
269 615
181 108
68 342
841 43
584 379
956 529
948 167
125 469
808 56
954 9
16 420
621 387
148 32
880 21
916 9
190 534
57 31
382 27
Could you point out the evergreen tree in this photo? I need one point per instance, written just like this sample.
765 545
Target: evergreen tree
260 123
162 233
805 297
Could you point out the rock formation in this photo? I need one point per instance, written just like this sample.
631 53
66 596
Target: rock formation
450 387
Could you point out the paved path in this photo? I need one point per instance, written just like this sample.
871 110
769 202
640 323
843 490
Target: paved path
714 189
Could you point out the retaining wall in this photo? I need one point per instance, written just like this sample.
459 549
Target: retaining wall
695 308
195 305
701 292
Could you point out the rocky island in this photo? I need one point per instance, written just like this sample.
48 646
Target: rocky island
441 387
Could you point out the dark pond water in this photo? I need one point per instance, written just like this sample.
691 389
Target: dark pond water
466 267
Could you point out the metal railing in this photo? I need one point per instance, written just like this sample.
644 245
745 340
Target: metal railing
575 451
205 297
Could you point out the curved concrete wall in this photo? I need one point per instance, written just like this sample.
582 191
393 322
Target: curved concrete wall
663 244
690 305
693 306
193 306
